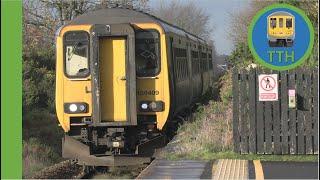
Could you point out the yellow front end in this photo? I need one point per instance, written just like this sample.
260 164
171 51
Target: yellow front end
70 90
281 27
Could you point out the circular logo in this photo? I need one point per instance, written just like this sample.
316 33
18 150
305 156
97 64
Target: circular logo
281 37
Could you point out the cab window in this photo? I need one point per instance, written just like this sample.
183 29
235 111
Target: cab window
280 22
147 52
289 23
273 23
76 53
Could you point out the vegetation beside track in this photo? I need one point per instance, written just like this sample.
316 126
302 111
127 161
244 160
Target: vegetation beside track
41 141
210 127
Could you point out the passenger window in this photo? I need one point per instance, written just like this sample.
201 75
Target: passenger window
147 53
289 23
280 22
76 54
273 23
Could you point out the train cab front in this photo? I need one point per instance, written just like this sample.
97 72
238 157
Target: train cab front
109 90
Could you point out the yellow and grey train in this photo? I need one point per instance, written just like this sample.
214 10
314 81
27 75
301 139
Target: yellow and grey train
122 77
281 29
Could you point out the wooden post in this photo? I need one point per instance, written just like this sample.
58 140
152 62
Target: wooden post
235 92
284 111
276 122
315 111
292 116
260 120
300 112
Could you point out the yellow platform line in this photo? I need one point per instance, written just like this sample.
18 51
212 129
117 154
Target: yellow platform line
258 170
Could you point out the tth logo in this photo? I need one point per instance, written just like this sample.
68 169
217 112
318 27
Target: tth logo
281 37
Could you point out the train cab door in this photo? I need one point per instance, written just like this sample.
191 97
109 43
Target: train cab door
114 75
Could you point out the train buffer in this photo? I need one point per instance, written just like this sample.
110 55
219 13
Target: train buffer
229 169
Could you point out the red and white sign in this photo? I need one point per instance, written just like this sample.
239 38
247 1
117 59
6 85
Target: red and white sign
268 87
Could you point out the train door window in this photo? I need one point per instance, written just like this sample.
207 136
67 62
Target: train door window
281 22
76 53
195 62
204 61
147 53
289 22
181 67
210 62
273 23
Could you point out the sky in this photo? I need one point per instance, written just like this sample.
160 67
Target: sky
220 19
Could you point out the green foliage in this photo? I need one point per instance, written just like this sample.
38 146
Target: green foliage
226 88
241 56
38 79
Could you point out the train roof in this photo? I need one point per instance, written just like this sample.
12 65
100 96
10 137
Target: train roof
124 15
280 13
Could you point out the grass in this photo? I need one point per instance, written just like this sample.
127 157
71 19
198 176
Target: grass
233 155
41 141
37 156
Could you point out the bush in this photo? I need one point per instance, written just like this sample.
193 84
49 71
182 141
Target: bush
38 80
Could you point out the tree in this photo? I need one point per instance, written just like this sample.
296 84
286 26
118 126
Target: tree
187 16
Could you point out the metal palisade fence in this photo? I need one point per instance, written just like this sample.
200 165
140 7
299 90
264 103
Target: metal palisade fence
271 127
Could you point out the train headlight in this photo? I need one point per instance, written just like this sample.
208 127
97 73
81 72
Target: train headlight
151 106
73 108
144 106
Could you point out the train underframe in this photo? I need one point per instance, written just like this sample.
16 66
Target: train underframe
112 145
281 43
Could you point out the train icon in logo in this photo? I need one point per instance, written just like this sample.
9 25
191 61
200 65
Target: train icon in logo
281 29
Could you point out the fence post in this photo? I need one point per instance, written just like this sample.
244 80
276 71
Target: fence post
243 113
235 109
315 111
284 111
276 121
300 112
292 116
260 120
252 110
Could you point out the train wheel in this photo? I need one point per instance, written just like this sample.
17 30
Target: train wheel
289 43
272 43
281 43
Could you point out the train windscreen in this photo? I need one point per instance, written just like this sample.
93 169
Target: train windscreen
147 53
76 54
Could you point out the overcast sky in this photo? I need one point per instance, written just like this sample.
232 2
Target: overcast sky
219 12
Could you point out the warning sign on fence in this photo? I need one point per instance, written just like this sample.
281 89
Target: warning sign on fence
268 87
